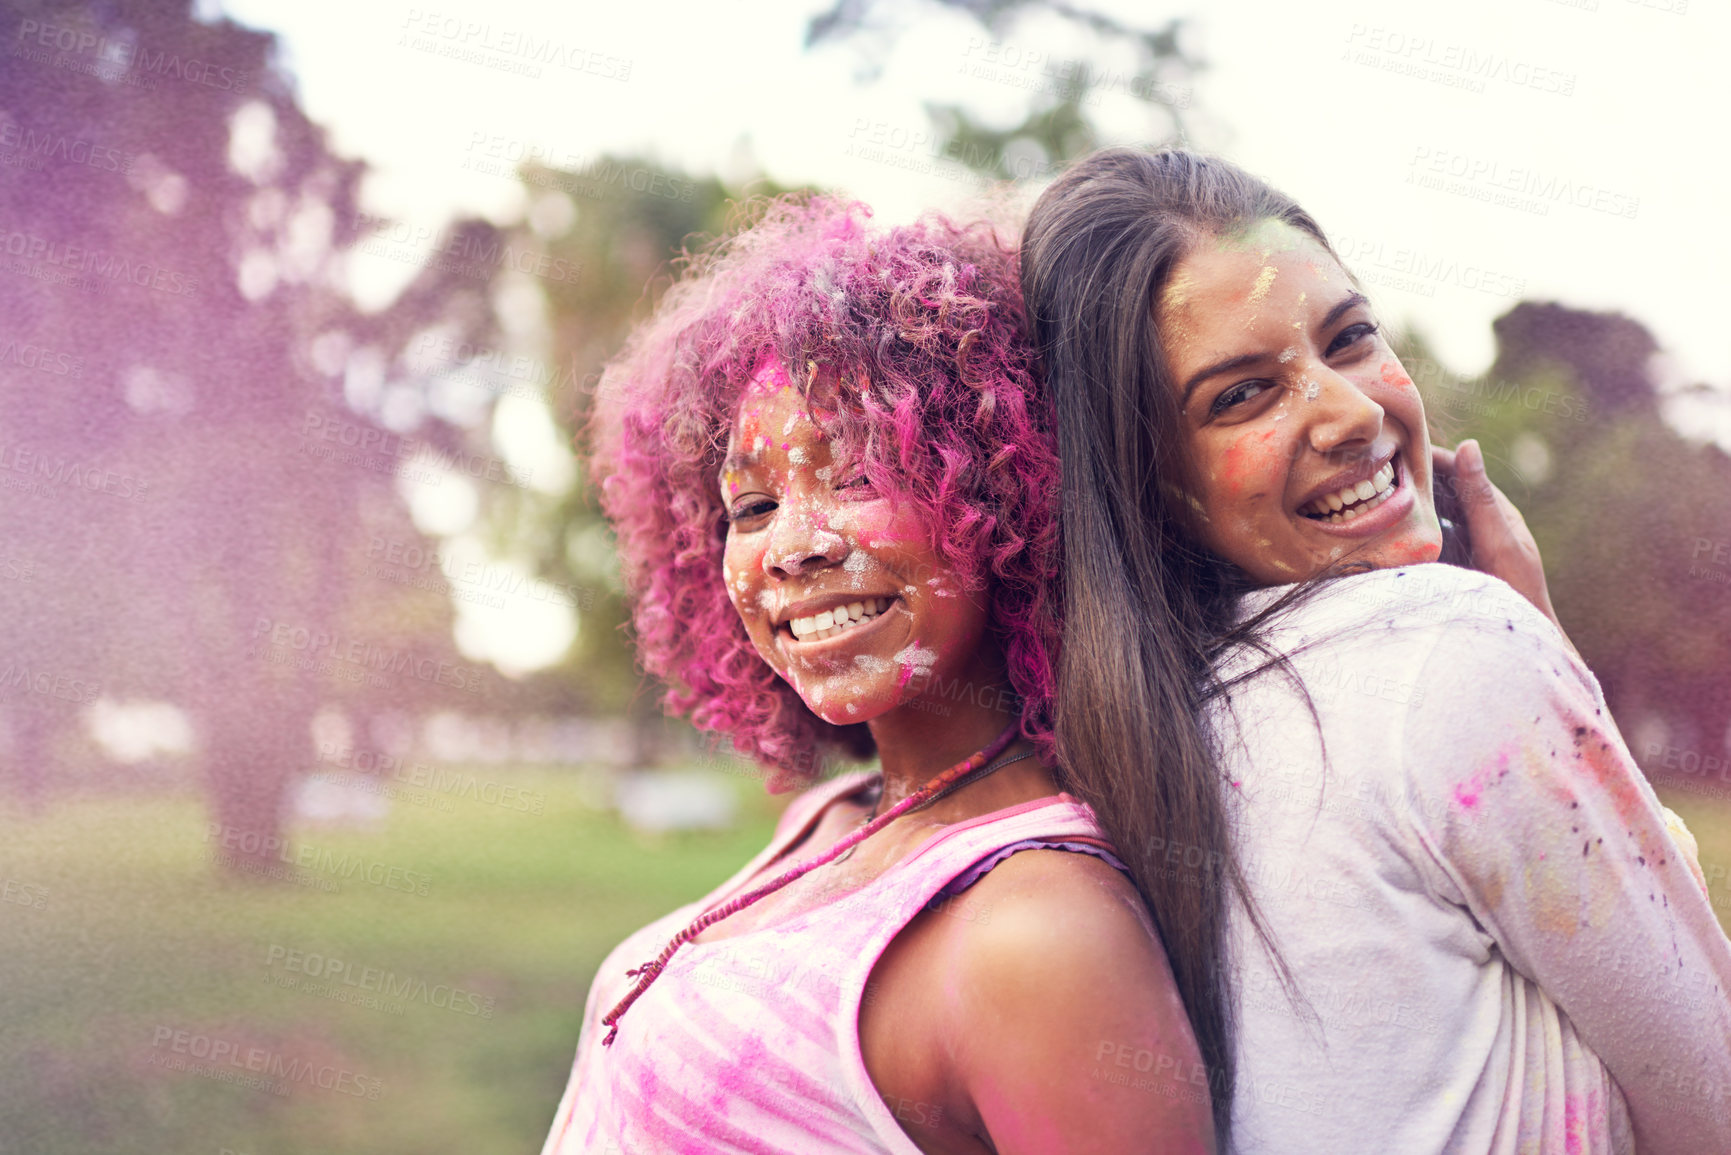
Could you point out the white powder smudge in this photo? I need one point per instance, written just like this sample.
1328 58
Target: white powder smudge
824 540
792 419
826 473
1312 389
871 663
1287 354
852 709
765 600
796 455
918 660
857 562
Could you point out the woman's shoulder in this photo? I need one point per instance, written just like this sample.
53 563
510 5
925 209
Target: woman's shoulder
1433 599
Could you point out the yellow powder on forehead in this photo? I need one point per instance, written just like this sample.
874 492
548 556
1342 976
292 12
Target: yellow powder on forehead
1264 282
1177 291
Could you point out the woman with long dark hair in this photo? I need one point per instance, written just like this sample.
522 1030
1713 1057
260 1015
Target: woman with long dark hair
1415 892
834 483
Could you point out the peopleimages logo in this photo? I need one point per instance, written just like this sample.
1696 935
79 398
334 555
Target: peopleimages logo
340 975
226 1057
114 56
249 845
319 648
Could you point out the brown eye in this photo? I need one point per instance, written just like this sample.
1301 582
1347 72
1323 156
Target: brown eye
751 507
1237 395
1350 336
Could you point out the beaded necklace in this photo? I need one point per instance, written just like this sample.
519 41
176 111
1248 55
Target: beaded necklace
970 769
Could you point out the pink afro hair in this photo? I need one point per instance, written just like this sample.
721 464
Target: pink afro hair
916 335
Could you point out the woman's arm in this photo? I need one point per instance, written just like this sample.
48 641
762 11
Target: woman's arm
1538 821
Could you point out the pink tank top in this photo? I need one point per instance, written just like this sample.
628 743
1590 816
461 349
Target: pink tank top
751 1043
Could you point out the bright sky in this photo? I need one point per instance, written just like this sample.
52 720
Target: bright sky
1463 155
1314 96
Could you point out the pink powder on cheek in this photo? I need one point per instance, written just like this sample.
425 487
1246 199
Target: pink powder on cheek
1414 549
1393 377
1243 461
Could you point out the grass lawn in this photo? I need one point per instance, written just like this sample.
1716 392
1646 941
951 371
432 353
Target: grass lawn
119 939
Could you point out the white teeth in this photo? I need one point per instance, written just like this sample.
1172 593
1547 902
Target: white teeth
831 622
1340 505
1346 504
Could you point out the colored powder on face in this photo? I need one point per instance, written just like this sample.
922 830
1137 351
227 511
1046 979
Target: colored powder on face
1415 549
1287 354
914 660
1312 389
796 455
1177 291
1392 376
1264 282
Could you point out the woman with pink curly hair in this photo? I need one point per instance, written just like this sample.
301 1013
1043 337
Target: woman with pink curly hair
834 483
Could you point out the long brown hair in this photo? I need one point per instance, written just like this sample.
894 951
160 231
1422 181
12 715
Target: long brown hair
1147 608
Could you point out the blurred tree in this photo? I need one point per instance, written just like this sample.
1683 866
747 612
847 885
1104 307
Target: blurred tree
202 434
1626 510
621 220
1148 67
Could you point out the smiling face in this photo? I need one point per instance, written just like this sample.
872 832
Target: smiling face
1307 438
841 592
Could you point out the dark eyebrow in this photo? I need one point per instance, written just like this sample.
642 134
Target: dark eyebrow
1218 368
1347 303
1339 310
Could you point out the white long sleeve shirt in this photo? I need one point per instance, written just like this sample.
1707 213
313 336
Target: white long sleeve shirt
1498 946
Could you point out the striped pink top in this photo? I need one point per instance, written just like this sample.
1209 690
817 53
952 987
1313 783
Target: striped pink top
751 1043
